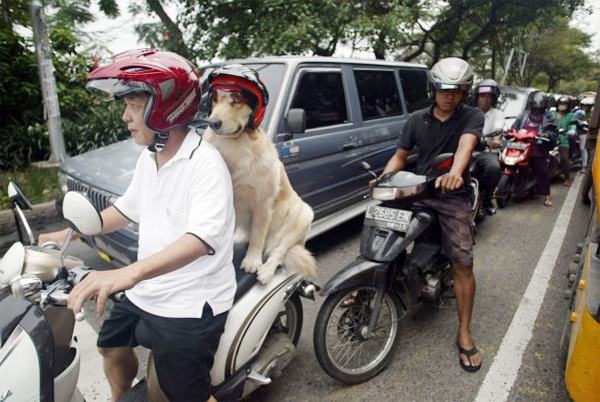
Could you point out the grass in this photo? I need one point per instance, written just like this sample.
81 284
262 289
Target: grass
39 185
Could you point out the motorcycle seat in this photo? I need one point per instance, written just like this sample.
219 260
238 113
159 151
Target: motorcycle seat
245 281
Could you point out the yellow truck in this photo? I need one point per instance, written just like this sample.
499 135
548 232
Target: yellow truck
582 334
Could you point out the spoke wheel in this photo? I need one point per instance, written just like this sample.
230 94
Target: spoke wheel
342 346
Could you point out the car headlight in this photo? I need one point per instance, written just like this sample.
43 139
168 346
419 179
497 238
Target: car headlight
63 182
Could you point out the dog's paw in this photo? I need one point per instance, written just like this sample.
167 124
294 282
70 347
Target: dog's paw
266 273
251 265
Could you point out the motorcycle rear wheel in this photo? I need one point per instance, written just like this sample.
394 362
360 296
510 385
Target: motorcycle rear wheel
289 320
341 348
503 191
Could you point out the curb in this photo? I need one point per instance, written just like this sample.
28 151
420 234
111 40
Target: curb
40 217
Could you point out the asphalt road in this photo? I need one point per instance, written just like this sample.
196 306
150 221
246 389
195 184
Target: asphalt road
509 246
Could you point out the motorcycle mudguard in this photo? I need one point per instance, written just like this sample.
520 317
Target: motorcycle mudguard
365 272
359 271
384 245
248 323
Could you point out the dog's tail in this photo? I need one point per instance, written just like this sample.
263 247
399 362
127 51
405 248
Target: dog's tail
299 259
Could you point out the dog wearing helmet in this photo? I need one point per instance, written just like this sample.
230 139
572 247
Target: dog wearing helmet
270 215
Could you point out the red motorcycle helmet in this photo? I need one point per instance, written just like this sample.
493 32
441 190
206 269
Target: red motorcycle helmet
247 80
171 81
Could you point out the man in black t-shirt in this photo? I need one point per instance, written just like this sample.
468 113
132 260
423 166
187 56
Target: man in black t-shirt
449 126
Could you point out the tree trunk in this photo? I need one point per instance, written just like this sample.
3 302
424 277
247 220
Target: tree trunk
177 43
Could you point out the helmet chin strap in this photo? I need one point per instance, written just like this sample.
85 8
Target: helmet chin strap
160 139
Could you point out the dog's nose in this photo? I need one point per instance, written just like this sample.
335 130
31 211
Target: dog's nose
215 124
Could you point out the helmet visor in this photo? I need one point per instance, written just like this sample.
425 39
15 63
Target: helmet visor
439 85
485 90
116 88
227 91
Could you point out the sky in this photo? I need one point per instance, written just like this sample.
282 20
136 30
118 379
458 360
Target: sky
118 34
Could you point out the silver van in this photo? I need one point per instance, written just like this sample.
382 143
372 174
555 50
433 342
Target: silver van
353 111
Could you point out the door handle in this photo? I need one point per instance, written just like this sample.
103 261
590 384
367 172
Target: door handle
348 145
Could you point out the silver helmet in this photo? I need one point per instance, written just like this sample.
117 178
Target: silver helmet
452 73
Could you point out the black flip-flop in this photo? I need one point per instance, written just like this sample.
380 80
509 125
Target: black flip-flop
468 353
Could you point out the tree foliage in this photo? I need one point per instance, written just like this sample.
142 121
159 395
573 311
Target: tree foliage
86 124
481 31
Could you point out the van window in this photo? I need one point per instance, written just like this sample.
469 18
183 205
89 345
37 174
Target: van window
414 85
378 94
321 95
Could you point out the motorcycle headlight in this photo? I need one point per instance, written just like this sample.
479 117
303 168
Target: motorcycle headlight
384 193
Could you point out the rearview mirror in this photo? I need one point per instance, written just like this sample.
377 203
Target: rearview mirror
80 214
295 121
17 196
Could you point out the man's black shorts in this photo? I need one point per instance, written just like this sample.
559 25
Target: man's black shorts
183 348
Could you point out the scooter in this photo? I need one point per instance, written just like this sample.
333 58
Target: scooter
400 266
259 340
39 357
261 332
517 178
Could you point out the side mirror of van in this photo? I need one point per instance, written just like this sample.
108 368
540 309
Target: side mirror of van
295 121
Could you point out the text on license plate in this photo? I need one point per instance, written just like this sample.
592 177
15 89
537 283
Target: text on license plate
395 219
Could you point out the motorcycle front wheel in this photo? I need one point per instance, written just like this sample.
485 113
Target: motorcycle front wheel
342 346
503 190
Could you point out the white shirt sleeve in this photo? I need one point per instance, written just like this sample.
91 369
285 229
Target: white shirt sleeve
498 123
211 215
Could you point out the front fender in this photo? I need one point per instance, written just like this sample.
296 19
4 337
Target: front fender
360 271
381 244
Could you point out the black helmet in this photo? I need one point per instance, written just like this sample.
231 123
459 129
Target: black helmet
538 101
563 103
488 86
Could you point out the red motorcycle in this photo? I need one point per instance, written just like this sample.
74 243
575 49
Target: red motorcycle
517 178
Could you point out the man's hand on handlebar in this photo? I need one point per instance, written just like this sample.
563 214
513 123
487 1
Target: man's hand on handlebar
449 182
99 285
53 237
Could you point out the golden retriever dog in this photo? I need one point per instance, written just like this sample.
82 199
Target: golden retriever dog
269 213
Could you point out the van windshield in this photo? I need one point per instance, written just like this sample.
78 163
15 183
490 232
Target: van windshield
512 103
270 73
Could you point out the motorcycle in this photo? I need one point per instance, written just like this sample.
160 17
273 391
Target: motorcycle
39 357
517 178
477 193
357 329
261 332
574 150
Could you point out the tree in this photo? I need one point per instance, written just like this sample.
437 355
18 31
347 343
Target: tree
23 133
556 51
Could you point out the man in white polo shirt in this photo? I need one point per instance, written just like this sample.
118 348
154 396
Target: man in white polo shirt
183 283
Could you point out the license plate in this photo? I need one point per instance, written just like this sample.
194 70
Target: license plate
395 219
516 145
